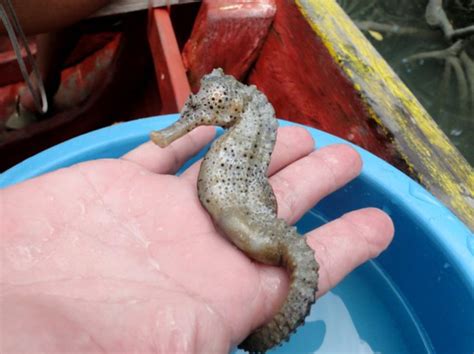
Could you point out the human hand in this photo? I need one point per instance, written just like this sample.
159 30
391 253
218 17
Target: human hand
119 256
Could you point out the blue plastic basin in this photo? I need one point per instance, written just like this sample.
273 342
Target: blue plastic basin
416 297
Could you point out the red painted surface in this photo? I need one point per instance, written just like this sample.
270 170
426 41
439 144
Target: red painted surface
8 64
102 90
76 95
169 70
88 44
77 81
4 43
8 96
305 85
293 68
227 34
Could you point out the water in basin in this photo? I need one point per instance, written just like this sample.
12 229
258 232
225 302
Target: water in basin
364 314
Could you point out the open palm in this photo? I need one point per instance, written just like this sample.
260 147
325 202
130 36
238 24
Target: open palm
119 256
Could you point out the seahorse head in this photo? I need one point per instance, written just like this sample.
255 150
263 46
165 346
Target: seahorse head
218 101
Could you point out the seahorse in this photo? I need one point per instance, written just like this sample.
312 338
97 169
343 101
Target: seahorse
233 187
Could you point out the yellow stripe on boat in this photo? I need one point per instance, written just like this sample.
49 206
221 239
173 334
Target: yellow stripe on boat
432 158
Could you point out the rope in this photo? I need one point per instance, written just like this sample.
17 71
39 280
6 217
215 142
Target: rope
18 40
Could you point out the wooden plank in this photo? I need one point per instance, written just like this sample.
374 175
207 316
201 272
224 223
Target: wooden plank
306 86
227 34
169 69
368 89
125 6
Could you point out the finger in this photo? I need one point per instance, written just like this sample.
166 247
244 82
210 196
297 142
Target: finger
343 244
292 143
170 159
340 246
299 186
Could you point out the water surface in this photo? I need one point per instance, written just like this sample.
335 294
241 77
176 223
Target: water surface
364 314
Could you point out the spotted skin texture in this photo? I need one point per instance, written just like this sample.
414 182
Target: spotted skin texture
233 187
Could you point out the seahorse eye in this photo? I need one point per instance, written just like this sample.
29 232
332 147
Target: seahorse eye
193 104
